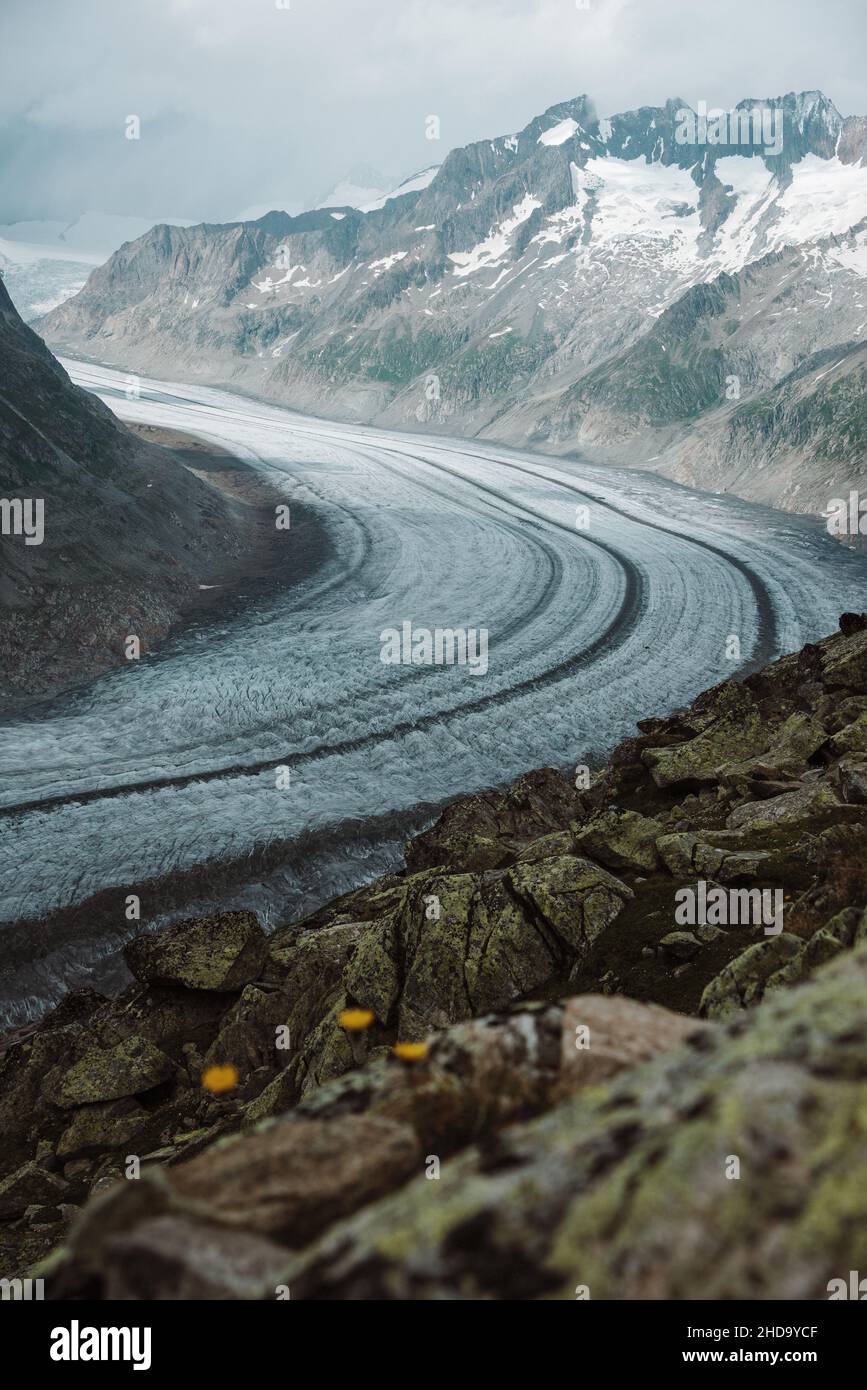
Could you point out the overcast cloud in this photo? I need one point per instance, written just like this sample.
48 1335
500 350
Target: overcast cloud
243 103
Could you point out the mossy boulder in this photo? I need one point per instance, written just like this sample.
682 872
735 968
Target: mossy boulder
435 933
621 840
804 805
103 1127
30 1185
221 953
845 929
679 945
852 780
292 1177
24 1069
792 744
744 980
574 897
852 738
130 1068
844 663
729 739
547 846
508 956
248 1036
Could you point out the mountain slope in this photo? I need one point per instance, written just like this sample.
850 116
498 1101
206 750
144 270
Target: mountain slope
128 531
798 445
491 299
739 384
45 263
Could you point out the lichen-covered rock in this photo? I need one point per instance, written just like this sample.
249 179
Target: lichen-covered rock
221 953
792 745
576 898
729 739
23 1072
621 840
327 1050
852 738
485 831
283 1183
844 663
757 851
677 852
286 1181
434 948
248 1037
806 805
169 1016
603 1036
547 847
293 1178
130 1068
370 1129
275 1098
30 1185
508 956
845 929
102 1127
373 976
679 945
476 1076
743 981
463 943
629 1188
177 1258
852 780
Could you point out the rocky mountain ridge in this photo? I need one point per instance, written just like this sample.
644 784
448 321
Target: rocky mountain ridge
531 289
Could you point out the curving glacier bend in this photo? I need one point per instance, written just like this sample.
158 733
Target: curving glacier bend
606 595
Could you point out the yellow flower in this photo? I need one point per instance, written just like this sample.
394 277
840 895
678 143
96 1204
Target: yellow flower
355 1020
218 1080
410 1051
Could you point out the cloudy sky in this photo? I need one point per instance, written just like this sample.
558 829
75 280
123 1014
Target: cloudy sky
246 103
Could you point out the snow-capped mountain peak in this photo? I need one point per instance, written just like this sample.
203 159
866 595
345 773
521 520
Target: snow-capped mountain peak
515 272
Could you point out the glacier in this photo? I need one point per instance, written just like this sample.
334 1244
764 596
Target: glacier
607 595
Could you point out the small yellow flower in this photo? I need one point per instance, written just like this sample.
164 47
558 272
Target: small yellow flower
410 1051
218 1080
355 1020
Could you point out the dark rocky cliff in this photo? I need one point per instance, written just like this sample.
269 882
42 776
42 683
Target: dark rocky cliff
129 532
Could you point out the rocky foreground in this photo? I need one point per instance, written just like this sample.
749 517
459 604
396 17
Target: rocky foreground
514 1071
